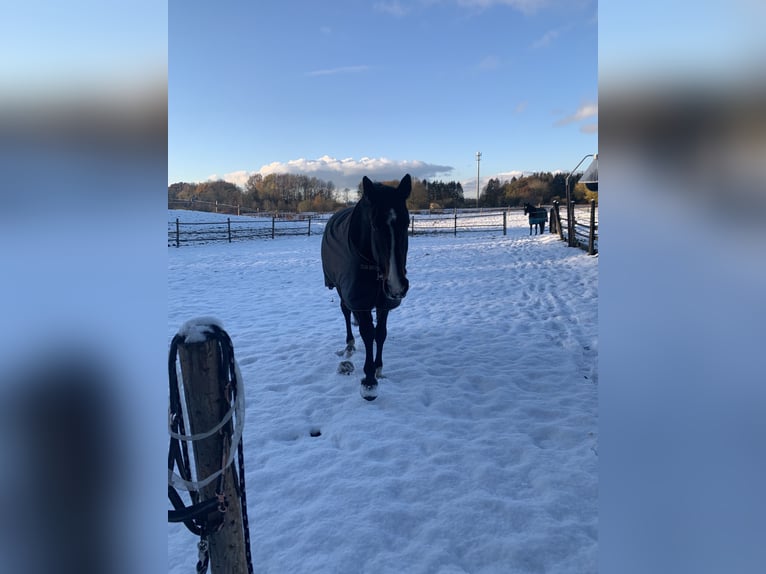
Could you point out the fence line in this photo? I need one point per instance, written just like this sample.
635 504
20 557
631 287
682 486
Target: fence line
263 228
459 221
583 235
227 208
218 207
180 233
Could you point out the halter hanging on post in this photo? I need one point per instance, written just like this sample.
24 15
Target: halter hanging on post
205 517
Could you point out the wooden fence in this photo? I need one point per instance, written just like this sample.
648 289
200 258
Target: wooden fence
584 228
209 206
197 232
421 223
425 223
577 233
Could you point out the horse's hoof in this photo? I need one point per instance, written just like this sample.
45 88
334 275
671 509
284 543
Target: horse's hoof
347 351
345 367
369 392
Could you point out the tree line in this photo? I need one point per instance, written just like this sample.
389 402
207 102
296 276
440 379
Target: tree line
274 192
541 188
301 193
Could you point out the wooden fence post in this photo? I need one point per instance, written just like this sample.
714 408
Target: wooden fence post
178 232
273 224
592 234
455 223
228 225
206 405
309 226
413 226
559 229
571 239
504 221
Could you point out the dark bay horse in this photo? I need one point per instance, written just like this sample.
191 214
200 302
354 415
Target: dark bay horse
537 218
364 257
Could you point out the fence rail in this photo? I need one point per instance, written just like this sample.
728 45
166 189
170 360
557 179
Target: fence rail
583 235
421 223
209 206
198 232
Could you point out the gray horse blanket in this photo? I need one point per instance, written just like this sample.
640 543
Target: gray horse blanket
352 274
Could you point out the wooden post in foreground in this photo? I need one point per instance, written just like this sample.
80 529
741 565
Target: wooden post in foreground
206 405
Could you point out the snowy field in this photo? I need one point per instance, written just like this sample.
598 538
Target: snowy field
480 454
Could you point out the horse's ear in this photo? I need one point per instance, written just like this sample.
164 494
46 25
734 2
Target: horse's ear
368 188
405 186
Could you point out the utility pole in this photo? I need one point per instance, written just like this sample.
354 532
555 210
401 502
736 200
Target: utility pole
478 160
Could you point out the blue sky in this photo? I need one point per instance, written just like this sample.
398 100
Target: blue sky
381 88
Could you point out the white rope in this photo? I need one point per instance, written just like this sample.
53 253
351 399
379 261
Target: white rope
239 409
202 435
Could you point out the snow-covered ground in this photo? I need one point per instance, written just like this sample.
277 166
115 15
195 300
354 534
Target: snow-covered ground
480 453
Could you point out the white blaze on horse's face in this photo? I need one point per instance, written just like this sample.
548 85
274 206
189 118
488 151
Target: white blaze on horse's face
395 283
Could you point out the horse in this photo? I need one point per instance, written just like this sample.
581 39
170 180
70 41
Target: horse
537 218
364 257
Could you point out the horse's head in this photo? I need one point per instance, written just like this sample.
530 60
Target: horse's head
389 223
527 208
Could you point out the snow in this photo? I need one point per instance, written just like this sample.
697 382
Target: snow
480 453
197 329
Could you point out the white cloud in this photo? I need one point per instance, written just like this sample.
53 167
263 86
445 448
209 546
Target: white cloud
392 7
585 111
400 9
346 172
589 129
546 39
509 175
490 63
339 70
236 177
525 6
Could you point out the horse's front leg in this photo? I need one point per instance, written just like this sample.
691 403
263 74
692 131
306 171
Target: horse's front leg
367 331
380 337
350 342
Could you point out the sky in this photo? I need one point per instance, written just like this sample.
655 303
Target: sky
381 88
481 451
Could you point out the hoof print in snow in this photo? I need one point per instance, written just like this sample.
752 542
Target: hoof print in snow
369 392
345 367
315 433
